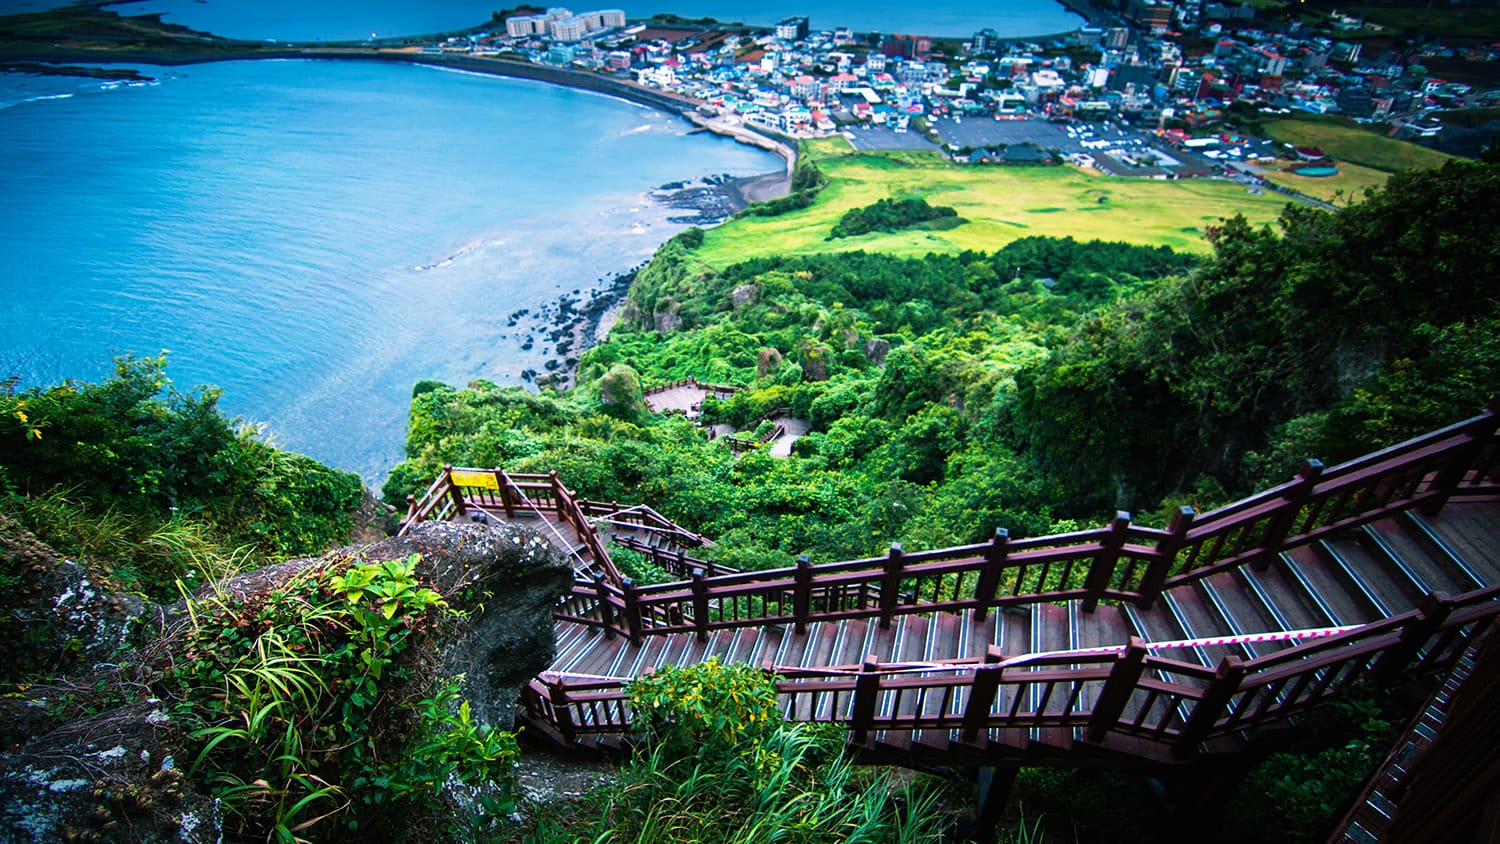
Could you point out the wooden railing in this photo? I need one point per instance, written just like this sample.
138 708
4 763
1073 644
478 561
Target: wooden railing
677 563
1119 562
684 382
1168 707
458 491
641 518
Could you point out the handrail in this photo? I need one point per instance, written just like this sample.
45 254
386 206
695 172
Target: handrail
456 490
1118 562
683 382
1177 706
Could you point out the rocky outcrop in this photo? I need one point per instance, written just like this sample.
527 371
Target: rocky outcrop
114 776
509 578
117 775
374 520
745 294
54 618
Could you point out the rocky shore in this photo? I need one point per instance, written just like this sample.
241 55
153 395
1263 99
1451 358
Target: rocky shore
577 321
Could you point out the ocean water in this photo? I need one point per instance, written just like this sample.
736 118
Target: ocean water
341 20
315 237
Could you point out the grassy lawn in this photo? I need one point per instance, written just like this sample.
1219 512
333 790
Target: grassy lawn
1420 17
1001 204
1355 144
1348 186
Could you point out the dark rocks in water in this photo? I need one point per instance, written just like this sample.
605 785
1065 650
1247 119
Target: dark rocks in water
528 343
551 365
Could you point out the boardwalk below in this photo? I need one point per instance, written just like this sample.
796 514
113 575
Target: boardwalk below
1328 584
793 430
685 399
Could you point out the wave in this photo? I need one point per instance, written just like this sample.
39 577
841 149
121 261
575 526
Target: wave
36 99
462 251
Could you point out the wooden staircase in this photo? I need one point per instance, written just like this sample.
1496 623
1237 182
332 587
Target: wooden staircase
1369 574
1119 646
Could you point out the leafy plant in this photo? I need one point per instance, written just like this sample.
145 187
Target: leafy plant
706 709
308 705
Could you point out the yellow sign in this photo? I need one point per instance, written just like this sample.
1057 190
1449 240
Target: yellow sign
482 480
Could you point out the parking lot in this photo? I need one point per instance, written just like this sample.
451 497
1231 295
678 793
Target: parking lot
865 137
988 132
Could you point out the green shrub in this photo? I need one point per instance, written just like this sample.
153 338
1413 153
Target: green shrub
304 705
134 455
709 709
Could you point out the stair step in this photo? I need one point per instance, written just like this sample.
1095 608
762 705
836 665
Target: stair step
1244 610
1341 601
1156 625
1446 553
1435 565
1393 587
1199 619
1285 597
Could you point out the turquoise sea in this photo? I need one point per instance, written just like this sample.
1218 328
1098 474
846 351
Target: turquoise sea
341 20
315 237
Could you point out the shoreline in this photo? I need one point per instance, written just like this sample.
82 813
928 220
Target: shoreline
586 81
578 321
572 326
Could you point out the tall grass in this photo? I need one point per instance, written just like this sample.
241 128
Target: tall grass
132 552
793 787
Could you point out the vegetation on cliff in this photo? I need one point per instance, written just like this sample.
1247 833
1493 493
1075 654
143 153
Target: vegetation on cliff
719 764
137 476
1048 382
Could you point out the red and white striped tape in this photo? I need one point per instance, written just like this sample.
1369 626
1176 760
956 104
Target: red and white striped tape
1022 659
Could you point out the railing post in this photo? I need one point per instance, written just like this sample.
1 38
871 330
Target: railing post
982 693
632 610
1431 614
802 594
561 712
507 494
606 609
459 509
890 586
681 560
700 605
1215 700
1294 499
1160 566
1103 567
1124 675
1461 459
411 508
866 693
989 576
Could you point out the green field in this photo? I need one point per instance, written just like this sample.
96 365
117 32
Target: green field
1414 17
1355 144
1001 204
1347 187
1365 159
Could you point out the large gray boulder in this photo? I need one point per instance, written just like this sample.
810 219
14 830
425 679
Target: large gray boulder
112 770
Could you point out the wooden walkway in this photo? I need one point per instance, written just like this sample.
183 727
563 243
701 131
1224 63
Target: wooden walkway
1121 645
1367 575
